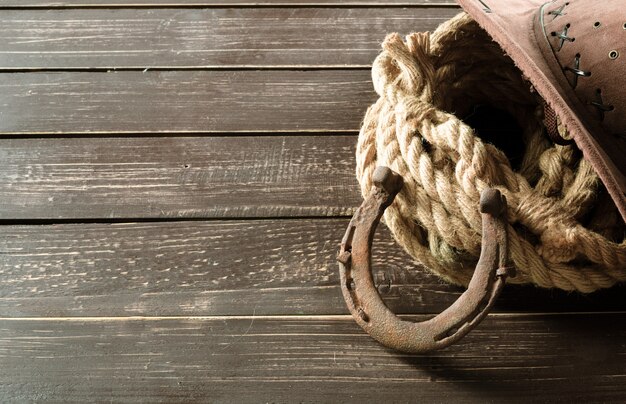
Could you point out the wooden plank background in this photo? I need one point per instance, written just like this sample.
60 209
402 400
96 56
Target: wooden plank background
183 102
178 177
237 37
290 359
175 178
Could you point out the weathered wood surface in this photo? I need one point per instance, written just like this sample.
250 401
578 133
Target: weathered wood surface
193 268
205 38
184 101
265 267
177 177
225 3
242 180
309 359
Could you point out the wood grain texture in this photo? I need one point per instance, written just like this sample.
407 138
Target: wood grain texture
579 358
177 177
227 290
184 101
265 267
207 38
223 3
194 268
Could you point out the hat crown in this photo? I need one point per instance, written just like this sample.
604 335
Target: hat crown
588 40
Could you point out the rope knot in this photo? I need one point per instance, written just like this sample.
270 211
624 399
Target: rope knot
404 69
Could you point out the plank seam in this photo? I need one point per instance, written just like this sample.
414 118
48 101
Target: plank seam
174 134
146 69
409 5
131 220
334 317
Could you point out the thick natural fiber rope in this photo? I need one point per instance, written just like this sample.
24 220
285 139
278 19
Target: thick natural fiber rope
563 229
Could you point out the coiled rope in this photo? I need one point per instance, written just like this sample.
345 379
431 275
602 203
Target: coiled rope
564 231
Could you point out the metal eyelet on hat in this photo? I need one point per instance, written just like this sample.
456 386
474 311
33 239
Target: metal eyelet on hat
613 54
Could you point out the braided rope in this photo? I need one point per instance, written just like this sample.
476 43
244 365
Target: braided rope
563 229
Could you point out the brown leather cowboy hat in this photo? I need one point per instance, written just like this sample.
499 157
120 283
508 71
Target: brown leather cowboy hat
574 54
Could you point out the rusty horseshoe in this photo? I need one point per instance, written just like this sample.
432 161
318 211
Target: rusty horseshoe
366 305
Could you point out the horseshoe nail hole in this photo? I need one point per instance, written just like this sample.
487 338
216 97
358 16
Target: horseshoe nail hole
596 24
350 284
363 316
624 26
482 306
453 331
553 33
448 333
384 288
568 25
613 54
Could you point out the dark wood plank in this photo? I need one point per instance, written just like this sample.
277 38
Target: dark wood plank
184 101
193 268
265 267
207 38
223 3
576 358
174 177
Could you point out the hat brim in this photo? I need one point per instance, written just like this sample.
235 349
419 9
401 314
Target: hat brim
513 25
